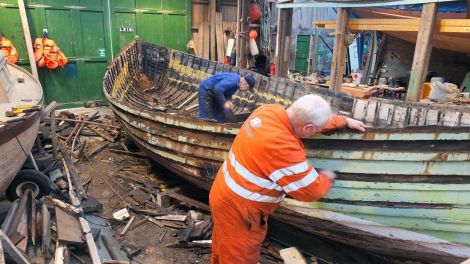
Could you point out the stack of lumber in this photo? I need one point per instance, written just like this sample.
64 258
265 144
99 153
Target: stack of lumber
209 41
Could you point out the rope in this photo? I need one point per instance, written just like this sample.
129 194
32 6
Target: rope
21 146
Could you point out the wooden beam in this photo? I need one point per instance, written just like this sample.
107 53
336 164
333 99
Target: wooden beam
212 36
87 122
242 28
238 40
10 249
339 50
468 9
399 24
348 4
422 53
283 42
45 228
59 255
86 231
67 156
220 37
312 53
205 39
27 37
2 257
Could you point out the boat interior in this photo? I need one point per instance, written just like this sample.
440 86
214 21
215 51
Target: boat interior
155 79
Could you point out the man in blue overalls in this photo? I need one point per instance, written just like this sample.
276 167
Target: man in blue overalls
215 94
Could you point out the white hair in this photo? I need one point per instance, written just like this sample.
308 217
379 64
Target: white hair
312 109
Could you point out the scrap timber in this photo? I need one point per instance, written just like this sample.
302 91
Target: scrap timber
402 187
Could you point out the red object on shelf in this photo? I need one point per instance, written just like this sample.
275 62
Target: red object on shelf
255 11
272 69
253 34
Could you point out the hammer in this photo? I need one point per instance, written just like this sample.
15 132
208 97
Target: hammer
22 109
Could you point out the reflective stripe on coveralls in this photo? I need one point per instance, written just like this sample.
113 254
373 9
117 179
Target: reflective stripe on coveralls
267 184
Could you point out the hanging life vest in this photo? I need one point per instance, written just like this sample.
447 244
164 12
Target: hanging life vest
8 50
47 54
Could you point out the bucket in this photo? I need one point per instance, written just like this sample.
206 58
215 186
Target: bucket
426 90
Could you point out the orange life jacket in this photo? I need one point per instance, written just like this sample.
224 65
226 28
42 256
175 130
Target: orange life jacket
8 50
47 54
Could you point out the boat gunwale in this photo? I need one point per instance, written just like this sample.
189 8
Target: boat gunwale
11 130
232 128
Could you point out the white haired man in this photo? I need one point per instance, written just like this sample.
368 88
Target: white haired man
267 162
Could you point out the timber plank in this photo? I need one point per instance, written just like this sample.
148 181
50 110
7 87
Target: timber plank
9 249
2 257
205 39
220 37
212 17
422 52
292 256
69 230
339 49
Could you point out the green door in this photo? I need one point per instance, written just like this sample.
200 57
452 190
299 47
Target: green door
163 22
301 54
90 33
78 28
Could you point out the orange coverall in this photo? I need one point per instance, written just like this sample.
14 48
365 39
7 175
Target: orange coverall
266 162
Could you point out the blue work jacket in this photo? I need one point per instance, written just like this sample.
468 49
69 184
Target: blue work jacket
223 86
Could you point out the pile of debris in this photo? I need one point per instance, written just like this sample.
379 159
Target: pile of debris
88 133
53 227
144 199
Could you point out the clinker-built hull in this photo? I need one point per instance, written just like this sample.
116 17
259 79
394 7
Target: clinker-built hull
403 187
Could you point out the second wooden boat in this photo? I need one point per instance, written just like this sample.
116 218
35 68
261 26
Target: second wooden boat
17 134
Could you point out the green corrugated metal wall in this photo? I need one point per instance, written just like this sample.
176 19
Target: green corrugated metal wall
91 33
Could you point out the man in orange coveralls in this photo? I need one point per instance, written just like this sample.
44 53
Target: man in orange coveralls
267 162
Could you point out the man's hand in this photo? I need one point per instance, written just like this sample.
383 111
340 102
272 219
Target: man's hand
228 105
331 175
355 124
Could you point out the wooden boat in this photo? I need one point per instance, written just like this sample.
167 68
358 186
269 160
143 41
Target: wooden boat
17 134
457 42
403 188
